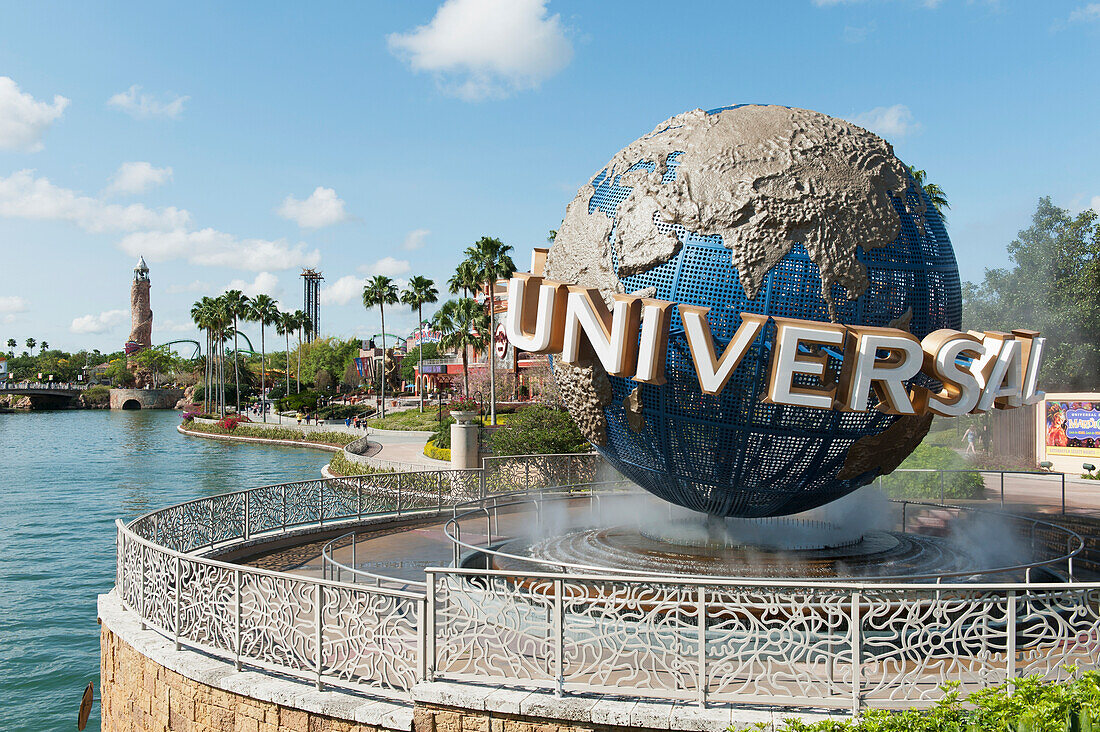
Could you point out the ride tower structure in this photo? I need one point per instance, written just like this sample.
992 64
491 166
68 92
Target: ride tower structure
311 301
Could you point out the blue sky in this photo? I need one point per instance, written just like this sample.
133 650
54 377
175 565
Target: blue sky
366 137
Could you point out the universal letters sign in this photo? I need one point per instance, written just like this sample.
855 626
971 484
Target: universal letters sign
979 371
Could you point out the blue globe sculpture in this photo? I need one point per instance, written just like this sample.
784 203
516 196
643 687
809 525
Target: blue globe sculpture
776 228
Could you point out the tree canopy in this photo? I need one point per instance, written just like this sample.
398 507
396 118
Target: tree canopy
1053 287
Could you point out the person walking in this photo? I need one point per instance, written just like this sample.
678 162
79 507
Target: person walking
971 438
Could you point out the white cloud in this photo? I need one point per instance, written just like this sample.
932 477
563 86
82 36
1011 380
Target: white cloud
10 304
388 266
487 48
264 282
348 288
173 327
144 106
105 321
24 196
322 208
895 121
194 286
414 239
1086 14
210 247
23 119
137 177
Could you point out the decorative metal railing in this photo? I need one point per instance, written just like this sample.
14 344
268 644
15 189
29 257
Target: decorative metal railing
804 643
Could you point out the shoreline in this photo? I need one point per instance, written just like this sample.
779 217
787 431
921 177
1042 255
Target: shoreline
261 440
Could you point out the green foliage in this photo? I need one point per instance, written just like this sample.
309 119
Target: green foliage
927 485
96 396
244 429
1021 705
341 466
343 411
1053 287
119 374
412 358
539 429
327 354
304 402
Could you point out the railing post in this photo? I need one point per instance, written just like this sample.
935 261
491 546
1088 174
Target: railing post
429 627
856 632
284 507
237 616
559 637
318 619
399 494
1010 640
321 502
481 482
354 567
421 639
179 587
247 517
701 675
527 476
439 490
141 585
1002 489
942 490
211 514
1063 494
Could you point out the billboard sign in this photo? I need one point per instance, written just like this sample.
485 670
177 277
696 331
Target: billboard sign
1073 428
3 369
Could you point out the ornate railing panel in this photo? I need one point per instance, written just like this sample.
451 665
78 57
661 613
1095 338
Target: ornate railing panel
831 645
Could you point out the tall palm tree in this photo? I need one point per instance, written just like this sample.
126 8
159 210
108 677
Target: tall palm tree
237 304
464 279
31 342
301 323
381 291
464 324
222 322
265 311
12 343
45 347
285 324
935 194
201 313
492 261
420 292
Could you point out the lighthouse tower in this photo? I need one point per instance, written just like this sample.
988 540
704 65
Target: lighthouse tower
141 315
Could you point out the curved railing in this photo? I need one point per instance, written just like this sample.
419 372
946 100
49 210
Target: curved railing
797 643
332 633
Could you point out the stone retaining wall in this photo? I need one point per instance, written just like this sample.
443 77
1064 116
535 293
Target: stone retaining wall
140 691
146 398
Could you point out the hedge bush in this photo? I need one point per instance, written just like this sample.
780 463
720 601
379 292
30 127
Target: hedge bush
324 437
436 452
1021 705
539 429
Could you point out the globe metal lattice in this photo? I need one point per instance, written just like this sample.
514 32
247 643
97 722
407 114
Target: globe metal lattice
732 454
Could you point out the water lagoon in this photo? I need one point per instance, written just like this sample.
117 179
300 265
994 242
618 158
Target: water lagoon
67 476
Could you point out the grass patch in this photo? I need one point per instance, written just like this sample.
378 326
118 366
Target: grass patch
410 419
927 485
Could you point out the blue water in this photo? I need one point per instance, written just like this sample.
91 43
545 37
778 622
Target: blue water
64 478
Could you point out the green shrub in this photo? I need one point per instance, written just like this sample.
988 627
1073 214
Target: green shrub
341 466
1021 705
324 437
438 453
927 485
306 401
95 396
539 429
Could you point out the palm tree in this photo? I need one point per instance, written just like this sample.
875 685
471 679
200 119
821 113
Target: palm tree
420 292
264 311
201 315
491 261
31 342
44 347
381 291
301 323
285 324
464 279
237 305
935 194
463 324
